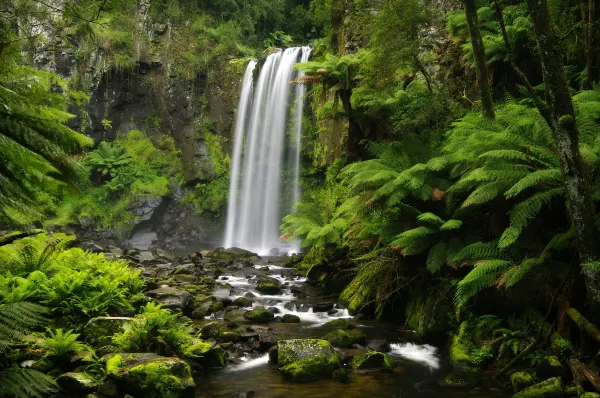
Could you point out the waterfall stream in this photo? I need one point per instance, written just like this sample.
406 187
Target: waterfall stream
258 193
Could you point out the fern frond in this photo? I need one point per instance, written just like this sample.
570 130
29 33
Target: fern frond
481 276
25 383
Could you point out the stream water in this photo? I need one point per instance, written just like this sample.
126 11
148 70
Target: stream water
420 366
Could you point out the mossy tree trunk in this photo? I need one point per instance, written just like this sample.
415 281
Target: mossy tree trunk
354 129
480 58
561 117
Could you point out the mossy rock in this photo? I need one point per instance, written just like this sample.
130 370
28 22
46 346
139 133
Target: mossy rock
77 383
150 375
205 354
551 388
289 318
290 351
590 395
211 330
234 315
341 375
216 307
308 369
466 377
428 313
343 338
232 253
227 336
98 331
461 346
242 302
259 315
373 360
268 285
520 381
340 323
550 367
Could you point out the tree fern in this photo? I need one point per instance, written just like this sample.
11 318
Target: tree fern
25 383
483 275
16 319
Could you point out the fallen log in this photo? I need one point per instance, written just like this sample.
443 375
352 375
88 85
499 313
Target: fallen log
586 326
581 373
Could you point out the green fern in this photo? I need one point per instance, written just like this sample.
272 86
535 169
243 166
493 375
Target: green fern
25 383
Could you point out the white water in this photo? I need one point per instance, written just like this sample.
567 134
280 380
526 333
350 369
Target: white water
255 191
424 354
248 363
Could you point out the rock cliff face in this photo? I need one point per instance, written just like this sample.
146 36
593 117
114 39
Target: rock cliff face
149 96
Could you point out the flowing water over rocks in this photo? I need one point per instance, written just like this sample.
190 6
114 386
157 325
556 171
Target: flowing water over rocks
248 373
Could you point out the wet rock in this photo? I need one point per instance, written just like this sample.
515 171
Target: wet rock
99 330
294 350
216 307
380 345
268 285
427 314
520 381
343 338
91 247
290 306
249 295
274 310
259 315
77 383
322 307
551 388
234 315
205 355
371 360
150 375
341 375
242 302
550 367
231 253
211 330
173 299
308 369
289 318
340 323
273 353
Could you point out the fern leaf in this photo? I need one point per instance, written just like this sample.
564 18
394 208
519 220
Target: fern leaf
480 277
548 176
451 225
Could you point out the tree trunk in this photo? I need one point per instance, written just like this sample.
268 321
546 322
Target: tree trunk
480 59
566 136
354 130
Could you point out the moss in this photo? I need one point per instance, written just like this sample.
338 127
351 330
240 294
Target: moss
461 347
551 388
427 314
268 285
343 338
242 302
159 379
205 354
341 375
373 359
465 377
259 314
340 323
216 307
590 395
289 318
308 369
550 367
114 363
290 351
520 381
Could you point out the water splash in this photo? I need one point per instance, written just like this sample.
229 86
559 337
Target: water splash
248 363
255 192
425 354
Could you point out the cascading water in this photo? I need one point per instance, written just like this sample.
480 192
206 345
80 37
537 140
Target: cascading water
255 189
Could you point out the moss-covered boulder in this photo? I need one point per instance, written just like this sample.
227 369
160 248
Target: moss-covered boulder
590 395
268 285
259 315
234 315
428 313
232 253
289 318
520 381
340 323
205 354
150 375
550 367
460 348
551 388
98 331
173 299
341 375
307 369
373 360
211 330
290 351
344 338
242 302
77 383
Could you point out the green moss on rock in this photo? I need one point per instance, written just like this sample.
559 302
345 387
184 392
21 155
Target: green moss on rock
77 383
307 369
373 359
289 318
204 354
343 338
520 381
461 347
340 323
427 314
165 378
290 351
259 315
551 388
268 285
590 395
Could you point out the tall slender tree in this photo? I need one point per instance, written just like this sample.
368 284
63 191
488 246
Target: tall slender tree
560 114
480 59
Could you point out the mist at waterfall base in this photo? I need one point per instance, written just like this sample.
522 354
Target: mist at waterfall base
265 172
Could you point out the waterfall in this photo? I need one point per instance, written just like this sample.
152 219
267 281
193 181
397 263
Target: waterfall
258 162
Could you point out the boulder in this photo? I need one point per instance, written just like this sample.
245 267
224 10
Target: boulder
590 395
520 381
150 375
268 285
211 330
341 375
551 388
173 299
380 345
322 307
371 360
289 318
308 369
242 302
550 367
289 351
231 253
343 338
259 315
427 313
205 355
340 323
77 383
98 331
